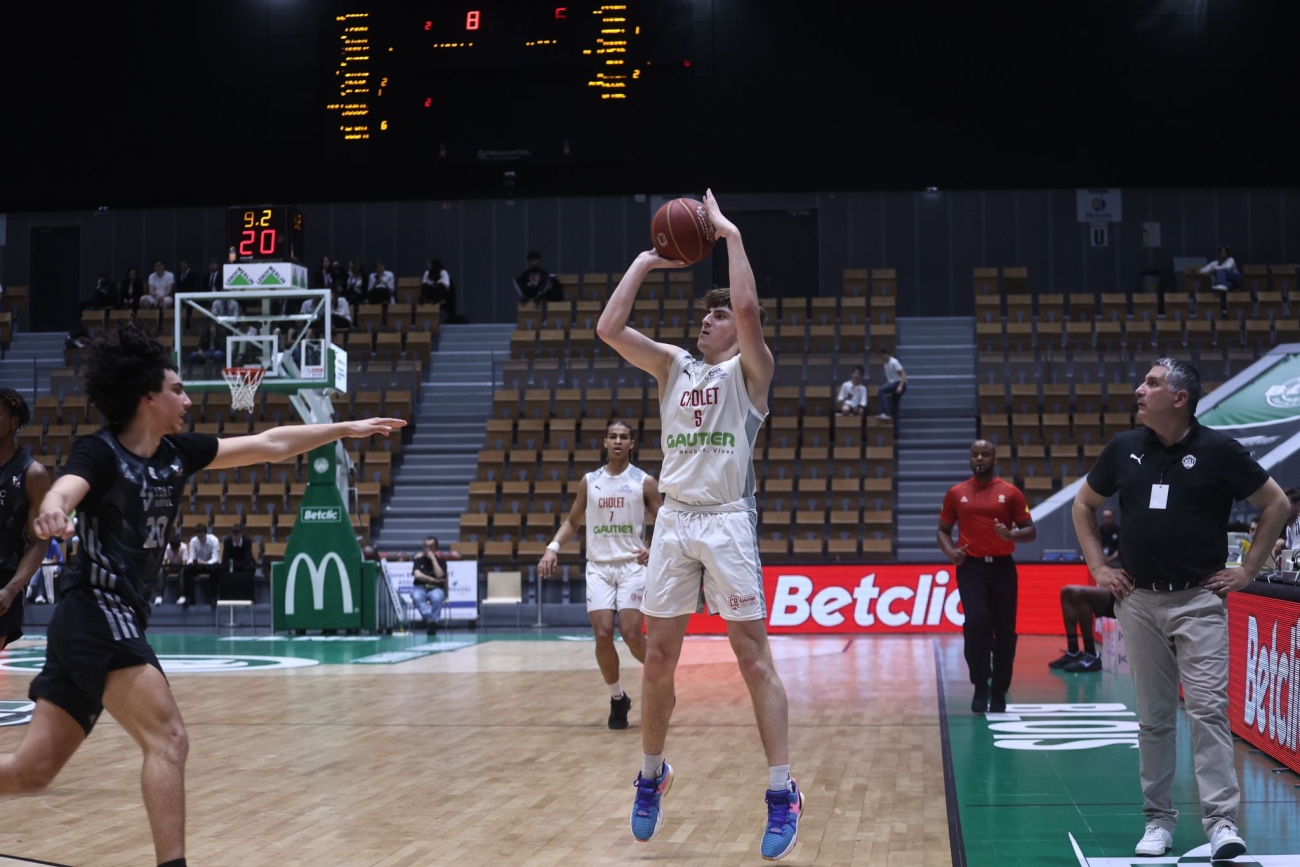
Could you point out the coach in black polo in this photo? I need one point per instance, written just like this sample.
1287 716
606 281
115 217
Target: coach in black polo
1177 482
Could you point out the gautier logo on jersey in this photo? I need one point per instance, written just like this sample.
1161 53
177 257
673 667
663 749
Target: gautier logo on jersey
321 516
701 438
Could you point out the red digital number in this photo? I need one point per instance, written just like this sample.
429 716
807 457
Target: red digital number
560 13
428 25
471 20
428 102
266 243
246 245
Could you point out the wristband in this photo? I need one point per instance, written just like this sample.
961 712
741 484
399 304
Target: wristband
554 546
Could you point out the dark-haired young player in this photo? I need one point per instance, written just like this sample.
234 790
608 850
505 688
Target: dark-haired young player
706 533
23 483
613 501
125 482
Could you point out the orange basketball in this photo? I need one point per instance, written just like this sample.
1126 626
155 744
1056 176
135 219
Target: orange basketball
681 230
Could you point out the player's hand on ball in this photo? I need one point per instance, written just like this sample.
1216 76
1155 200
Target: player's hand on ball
54 523
546 566
642 557
722 227
652 259
371 426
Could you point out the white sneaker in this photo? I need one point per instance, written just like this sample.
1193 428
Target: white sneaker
1220 287
1156 841
884 415
157 600
1224 842
180 600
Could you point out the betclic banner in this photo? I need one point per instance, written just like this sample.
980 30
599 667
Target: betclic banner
895 599
1264 674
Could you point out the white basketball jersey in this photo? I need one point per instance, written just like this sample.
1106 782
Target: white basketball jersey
615 514
709 429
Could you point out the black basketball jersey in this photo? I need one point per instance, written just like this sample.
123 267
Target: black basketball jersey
128 515
13 511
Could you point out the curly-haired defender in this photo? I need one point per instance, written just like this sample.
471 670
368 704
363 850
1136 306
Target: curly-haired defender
126 482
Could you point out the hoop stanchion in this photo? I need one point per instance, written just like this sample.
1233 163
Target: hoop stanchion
243 382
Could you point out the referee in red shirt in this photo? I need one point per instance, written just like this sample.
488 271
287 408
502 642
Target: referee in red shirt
992 516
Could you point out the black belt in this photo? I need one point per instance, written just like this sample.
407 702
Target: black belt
998 559
1163 586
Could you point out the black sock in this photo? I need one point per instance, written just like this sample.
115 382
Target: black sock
1089 644
176 862
1072 643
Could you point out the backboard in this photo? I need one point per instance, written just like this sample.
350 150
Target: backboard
288 331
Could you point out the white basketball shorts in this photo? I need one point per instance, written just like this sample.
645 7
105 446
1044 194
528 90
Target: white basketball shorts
616 586
716 549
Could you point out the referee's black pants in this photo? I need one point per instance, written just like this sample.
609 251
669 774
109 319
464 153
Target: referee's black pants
989 590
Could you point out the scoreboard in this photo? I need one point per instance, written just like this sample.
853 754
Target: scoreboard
546 81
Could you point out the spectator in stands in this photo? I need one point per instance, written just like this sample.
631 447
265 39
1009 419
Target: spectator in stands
383 285
1224 269
852 399
436 288
340 312
162 286
175 558
187 280
355 289
536 284
213 282
201 561
131 289
237 566
324 278
1081 602
895 384
1250 537
430 590
105 295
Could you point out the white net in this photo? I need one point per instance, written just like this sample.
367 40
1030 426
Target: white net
243 382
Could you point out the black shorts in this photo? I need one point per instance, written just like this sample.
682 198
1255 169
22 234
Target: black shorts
91 633
1109 609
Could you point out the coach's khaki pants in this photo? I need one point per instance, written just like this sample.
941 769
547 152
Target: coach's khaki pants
1168 637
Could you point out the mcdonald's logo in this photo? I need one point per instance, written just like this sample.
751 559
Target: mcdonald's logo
317 573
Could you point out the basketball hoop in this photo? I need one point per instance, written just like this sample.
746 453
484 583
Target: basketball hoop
243 382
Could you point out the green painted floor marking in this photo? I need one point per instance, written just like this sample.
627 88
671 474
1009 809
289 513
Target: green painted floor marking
1026 782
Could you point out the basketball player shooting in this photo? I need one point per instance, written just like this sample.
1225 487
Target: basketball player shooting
126 482
706 532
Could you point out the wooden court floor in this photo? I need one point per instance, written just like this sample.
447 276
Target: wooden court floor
498 754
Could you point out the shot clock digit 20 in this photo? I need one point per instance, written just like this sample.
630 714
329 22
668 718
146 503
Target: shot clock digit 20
264 233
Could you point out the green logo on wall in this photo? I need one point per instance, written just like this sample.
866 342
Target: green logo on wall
240 278
271 277
1284 396
321 516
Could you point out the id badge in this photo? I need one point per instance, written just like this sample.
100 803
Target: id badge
1159 496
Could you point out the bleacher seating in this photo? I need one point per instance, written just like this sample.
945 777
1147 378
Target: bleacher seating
1057 371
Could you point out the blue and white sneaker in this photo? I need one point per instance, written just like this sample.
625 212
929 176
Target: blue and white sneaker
783 812
647 816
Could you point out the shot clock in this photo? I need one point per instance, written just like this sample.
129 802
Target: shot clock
264 233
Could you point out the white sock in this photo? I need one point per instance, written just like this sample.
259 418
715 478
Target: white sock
615 689
778 778
651 766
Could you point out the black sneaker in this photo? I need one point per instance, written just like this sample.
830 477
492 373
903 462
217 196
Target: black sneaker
1086 662
1064 660
618 708
998 703
980 703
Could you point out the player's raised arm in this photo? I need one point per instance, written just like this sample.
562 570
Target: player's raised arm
652 357
280 443
755 356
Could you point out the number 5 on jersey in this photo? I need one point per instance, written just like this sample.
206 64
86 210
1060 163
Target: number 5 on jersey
699 417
